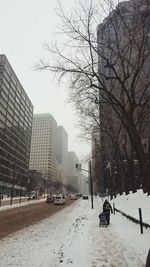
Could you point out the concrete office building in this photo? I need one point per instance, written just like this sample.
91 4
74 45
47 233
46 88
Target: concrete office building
43 146
62 156
120 61
116 29
62 147
72 173
16 111
83 185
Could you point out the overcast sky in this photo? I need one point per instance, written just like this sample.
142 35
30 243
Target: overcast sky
25 25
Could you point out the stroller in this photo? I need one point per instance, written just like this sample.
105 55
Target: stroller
102 219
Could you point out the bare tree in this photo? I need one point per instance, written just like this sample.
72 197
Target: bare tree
109 67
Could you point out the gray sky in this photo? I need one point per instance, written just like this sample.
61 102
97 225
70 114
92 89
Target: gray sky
25 25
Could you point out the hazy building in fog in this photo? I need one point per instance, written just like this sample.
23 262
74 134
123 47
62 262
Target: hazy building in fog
62 155
16 111
62 147
83 184
43 145
72 172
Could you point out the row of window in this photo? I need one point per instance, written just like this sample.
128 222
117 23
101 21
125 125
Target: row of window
13 101
17 88
24 153
15 133
11 150
14 110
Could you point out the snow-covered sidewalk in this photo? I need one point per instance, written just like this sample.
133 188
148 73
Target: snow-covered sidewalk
73 238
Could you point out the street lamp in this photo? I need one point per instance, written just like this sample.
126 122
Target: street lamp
12 187
79 168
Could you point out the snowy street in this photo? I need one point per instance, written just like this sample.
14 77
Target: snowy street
72 237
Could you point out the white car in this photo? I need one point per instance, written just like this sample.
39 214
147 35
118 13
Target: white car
59 200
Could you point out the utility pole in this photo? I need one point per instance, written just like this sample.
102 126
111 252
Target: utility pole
0 197
91 182
12 187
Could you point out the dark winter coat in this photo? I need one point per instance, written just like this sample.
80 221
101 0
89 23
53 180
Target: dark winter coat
107 207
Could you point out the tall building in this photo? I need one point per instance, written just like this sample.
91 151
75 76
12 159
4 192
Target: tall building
72 173
43 145
126 25
62 156
62 147
124 62
16 111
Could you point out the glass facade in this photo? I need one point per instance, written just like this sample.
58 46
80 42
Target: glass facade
16 112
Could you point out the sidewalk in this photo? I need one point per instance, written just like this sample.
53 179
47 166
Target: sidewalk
73 238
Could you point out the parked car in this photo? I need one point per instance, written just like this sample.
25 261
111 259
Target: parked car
79 194
73 197
85 197
59 200
49 199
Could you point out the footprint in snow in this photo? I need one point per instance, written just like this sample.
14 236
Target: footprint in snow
69 261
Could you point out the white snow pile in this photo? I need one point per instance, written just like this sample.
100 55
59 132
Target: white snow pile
131 203
73 238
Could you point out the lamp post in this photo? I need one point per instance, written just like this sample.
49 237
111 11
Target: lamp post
91 183
20 193
0 197
12 187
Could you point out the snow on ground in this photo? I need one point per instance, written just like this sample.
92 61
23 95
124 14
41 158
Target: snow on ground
132 202
25 203
73 238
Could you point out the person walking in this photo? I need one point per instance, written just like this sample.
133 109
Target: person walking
107 208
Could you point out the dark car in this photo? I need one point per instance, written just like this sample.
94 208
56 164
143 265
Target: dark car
49 200
85 197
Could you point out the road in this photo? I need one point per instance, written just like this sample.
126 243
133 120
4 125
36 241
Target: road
13 219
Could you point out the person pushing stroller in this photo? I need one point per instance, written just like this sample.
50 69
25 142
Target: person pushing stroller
107 209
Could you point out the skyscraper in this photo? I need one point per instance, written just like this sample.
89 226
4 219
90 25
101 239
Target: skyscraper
72 173
43 145
124 109
62 155
62 147
16 111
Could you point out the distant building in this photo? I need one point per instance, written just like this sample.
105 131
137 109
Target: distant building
62 155
43 146
72 173
62 147
83 187
16 111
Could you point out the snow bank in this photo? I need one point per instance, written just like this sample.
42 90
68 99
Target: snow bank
130 204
